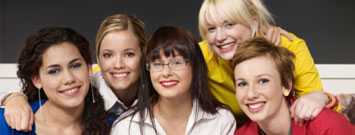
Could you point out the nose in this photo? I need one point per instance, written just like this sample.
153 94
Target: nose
166 71
68 77
220 35
252 92
119 62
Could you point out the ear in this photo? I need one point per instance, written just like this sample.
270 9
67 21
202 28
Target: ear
286 91
37 82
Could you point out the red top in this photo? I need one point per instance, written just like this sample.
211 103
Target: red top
326 123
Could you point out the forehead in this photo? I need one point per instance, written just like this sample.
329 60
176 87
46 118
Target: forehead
256 66
215 16
60 54
119 40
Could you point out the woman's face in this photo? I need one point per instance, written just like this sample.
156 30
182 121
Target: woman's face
119 60
63 75
258 88
171 77
224 36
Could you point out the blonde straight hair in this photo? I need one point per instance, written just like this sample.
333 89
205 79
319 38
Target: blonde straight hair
244 12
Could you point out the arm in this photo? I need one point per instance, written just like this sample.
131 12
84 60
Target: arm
311 99
18 113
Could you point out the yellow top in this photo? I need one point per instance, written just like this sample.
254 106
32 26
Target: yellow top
220 74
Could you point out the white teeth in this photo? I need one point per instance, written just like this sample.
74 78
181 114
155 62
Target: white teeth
119 75
225 46
254 106
71 91
169 83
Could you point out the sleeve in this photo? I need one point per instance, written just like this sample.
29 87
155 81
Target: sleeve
229 124
4 128
307 78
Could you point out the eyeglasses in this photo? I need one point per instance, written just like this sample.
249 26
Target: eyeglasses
174 64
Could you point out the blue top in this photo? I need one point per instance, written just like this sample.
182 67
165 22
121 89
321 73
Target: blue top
6 130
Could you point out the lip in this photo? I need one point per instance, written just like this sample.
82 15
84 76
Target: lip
168 83
119 75
72 91
227 47
255 107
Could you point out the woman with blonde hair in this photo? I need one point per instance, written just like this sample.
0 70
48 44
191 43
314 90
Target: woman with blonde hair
225 24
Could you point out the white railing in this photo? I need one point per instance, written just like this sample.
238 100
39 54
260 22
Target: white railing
336 78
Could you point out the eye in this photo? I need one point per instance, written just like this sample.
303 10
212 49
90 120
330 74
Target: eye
228 25
242 83
264 81
130 54
53 71
76 65
107 55
211 29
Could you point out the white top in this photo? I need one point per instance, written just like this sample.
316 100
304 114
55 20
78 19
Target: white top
199 123
107 94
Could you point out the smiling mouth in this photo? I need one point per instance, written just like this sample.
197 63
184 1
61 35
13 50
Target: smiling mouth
71 91
226 47
255 107
121 75
168 84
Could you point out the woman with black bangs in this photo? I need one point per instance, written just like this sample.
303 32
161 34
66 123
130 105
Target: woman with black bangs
175 98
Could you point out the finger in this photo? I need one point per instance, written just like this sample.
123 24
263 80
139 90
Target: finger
275 35
268 34
293 109
316 112
24 121
17 122
299 109
286 34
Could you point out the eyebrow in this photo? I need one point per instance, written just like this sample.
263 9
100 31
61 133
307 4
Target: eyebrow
57 65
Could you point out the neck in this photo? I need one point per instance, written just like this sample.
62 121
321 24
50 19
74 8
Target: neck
51 115
173 108
271 126
127 96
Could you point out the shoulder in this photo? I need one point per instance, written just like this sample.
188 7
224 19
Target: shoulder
330 122
206 51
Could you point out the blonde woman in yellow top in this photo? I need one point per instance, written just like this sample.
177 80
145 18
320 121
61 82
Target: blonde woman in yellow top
224 24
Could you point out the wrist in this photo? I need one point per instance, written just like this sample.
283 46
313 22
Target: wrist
11 96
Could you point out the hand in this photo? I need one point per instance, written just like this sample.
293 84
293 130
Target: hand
274 33
18 113
308 106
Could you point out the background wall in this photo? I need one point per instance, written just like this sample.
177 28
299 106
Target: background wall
327 25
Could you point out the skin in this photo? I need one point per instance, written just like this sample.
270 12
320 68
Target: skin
174 105
64 77
260 94
119 60
224 37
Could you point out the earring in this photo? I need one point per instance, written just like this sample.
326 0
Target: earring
286 93
92 94
39 97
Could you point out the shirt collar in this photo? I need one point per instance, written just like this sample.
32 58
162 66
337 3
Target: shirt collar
109 97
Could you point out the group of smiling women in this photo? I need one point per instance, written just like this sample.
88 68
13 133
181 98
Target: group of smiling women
246 77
